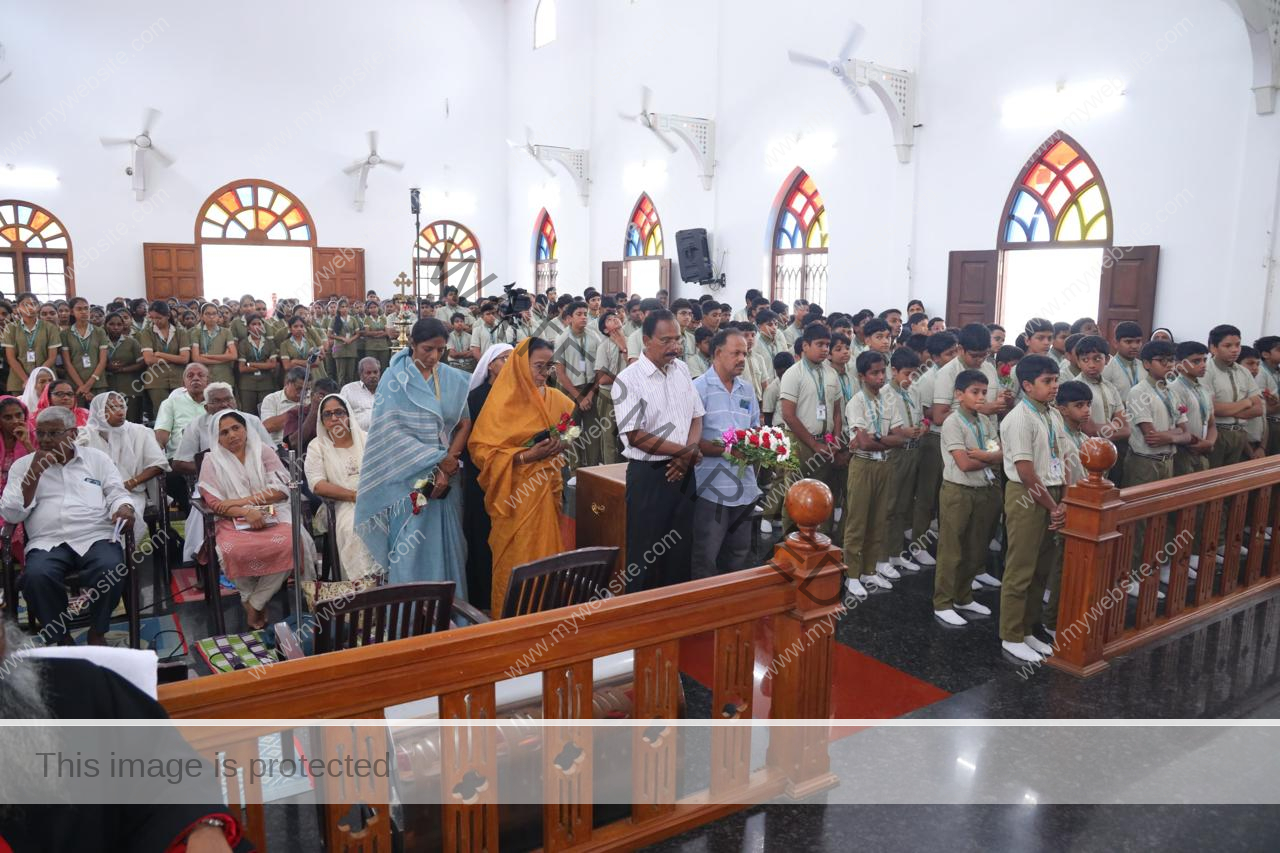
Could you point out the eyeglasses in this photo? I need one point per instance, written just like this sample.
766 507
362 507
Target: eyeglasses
331 414
42 434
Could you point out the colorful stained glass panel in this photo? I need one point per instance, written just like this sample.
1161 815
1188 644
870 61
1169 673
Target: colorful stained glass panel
1074 204
254 208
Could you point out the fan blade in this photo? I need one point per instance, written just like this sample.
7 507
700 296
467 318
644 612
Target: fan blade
373 142
528 135
139 173
646 95
361 185
806 59
511 143
355 167
108 141
6 77
855 36
860 99
149 121
630 116
395 164
671 146
163 157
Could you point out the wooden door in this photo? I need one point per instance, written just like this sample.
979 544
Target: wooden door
172 269
972 287
338 272
664 280
1128 289
613 277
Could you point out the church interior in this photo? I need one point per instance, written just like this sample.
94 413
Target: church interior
1009 167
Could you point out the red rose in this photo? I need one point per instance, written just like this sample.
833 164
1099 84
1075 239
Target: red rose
741 434
1006 369
562 427
754 440
767 441
1182 410
782 451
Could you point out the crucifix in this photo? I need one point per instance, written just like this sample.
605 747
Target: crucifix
402 281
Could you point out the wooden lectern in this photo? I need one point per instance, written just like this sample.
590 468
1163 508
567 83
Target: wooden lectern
601 509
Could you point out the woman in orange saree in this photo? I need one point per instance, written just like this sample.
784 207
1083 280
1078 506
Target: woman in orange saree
521 480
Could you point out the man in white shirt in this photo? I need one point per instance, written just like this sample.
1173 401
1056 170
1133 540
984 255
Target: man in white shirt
69 499
659 417
182 407
195 438
277 405
361 394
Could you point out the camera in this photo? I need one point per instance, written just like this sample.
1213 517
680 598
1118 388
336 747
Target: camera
517 301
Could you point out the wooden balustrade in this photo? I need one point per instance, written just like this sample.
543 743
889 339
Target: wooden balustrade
801 587
1172 520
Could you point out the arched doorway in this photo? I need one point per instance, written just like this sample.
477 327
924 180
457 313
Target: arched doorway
644 269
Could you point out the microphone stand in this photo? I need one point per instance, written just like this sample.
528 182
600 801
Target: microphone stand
295 496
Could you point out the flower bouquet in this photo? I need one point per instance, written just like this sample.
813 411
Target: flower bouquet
567 430
421 492
766 447
1006 376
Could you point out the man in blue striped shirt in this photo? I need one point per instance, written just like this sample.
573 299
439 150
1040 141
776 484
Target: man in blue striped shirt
722 512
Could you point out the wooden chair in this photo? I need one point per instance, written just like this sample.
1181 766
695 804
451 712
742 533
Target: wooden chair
132 595
380 615
156 517
332 568
564 580
207 570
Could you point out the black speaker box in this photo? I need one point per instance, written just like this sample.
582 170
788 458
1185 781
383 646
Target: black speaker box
693 254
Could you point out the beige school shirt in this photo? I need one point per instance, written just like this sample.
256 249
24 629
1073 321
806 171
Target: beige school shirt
963 431
758 372
944 384
1124 374
1198 401
635 344
611 360
1032 432
1150 404
923 387
909 401
877 414
1229 386
578 355
1266 381
1107 400
800 385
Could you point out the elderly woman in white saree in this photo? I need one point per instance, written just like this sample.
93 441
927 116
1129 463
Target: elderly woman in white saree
333 472
245 485
132 447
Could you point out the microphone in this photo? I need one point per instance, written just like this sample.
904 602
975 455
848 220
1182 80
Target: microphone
313 357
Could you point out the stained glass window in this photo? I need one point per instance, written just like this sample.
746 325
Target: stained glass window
1059 198
800 242
644 231
256 212
35 252
544 265
546 238
450 256
544 23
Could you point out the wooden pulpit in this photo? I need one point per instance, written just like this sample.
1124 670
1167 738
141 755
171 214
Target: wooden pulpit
601 508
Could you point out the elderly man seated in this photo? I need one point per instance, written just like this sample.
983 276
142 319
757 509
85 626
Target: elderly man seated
218 397
277 405
69 499
360 394
182 407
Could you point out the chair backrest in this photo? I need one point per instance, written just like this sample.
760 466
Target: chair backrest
383 613
560 581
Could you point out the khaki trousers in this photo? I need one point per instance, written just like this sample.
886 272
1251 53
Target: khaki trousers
868 494
813 466
905 464
928 483
607 442
1138 471
1029 561
1229 448
967 515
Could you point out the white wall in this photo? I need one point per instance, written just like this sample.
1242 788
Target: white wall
278 90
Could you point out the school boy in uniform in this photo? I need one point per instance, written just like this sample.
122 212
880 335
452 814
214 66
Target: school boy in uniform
1192 394
876 429
1268 380
942 349
1256 428
905 461
1058 352
1039 332
1106 407
1125 370
969 502
809 400
1034 439
1236 396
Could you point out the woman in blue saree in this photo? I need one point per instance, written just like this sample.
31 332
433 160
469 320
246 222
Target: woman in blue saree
418 430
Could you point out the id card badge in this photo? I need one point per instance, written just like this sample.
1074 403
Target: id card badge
31 356
1055 469
84 361
989 474
257 373
820 413
877 455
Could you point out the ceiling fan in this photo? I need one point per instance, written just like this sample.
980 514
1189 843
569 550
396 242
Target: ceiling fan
532 150
576 161
895 87
142 147
363 166
649 119
698 133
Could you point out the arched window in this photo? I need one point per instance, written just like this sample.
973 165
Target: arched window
644 231
1059 198
35 252
254 211
544 259
544 23
449 257
800 242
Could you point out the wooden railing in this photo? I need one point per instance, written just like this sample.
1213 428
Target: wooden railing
800 588
1172 520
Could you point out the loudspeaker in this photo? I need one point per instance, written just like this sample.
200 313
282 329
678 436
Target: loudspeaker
693 254
415 207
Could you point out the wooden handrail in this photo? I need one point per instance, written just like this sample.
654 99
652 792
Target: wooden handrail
800 589
1100 560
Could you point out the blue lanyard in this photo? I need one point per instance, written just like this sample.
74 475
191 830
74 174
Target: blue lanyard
1131 372
976 426
906 404
818 381
84 342
206 342
31 336
846 387
877 412
255 351
1167 399
1200 404
1048 425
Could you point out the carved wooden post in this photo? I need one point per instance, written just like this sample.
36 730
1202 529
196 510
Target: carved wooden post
1091 536
805 639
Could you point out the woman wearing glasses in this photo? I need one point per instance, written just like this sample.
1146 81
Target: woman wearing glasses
333 464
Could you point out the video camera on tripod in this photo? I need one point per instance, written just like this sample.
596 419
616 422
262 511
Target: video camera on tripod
516 301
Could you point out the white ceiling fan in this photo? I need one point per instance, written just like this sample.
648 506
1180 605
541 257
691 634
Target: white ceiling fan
363 166
532 150
142 147
698 133
7 74
895 87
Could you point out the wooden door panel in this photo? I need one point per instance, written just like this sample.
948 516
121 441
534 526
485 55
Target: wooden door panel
613 277
338 272
172 269
1128 290
972 287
